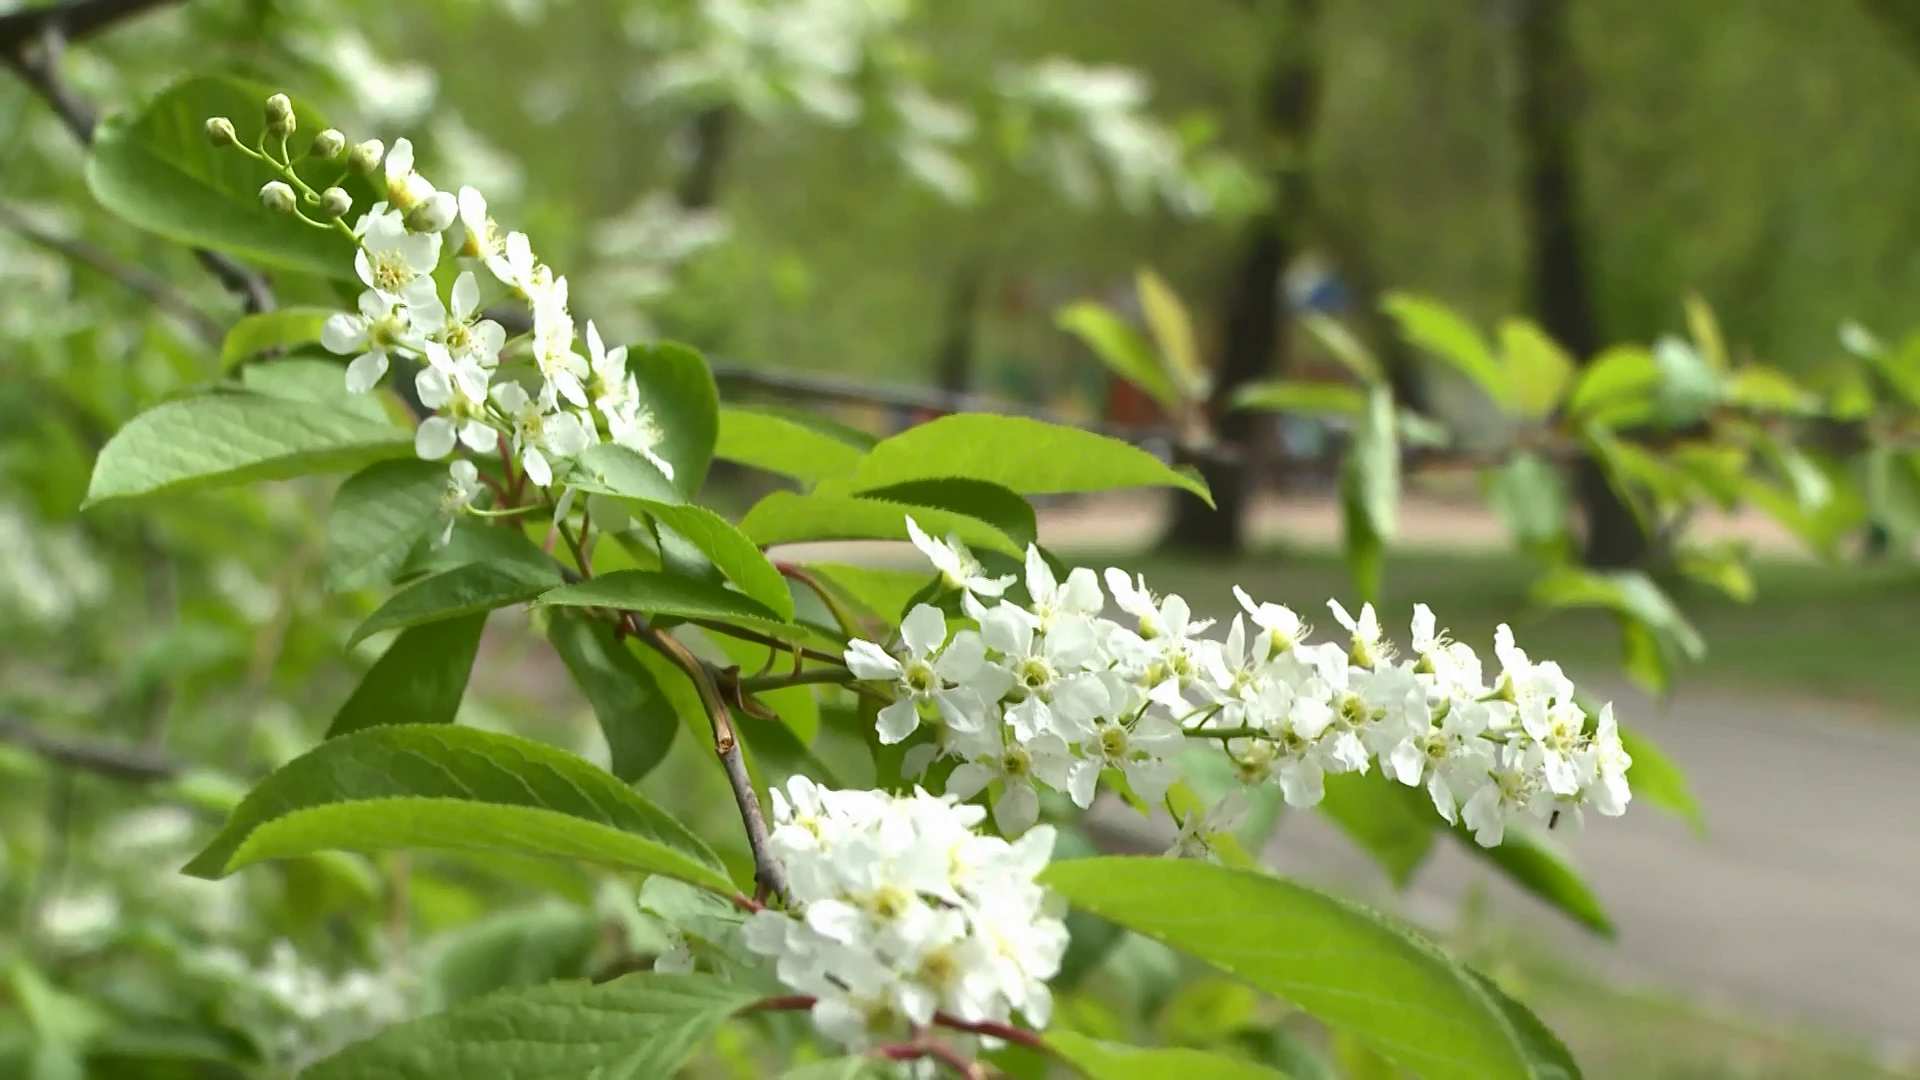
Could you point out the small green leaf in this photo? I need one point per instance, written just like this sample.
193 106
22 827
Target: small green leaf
236 438
1657 778
378 516
1765 390
1545 1052
783 446
451 787
1115 1061
1385 818
634 1028
1529 496
1173 331
1354 970
280 329
1705 330
463 590
1538 865
677 385
1026 456
1436 328
1122 348
512 948
1537 367
1723 566
989 502
612 469
1370 491
156 170
635 717
657 593
1630 594
1349 350
1616 387
786 518
1689 385
420 679
312 381
882 592
1308 398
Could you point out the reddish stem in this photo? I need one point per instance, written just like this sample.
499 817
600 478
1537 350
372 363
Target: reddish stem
783 1002
938 1051
992 1029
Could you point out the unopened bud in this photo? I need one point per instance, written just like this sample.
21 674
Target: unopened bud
220 131
433 214
335 202
328 145
277 197
365 158
279 114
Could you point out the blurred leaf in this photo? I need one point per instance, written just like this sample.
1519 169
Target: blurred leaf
225 439
1763 389
280 329
157 170
1538 865
312 381
1353 970
1705 331
1537 367
1529 496
1121 348
1899 370
1173 331
989 502
1206 1011
1437 329
420 679
512 948
1306 398
445 786
1358 1061
1718 471
1345 348
1289 1053
1030 457
656 593
1811 486
1616 388
1628 593
644 1025
1689 386
1370 491
1723 566
1893 493
635 716
1115 1061
1821 529
677 385
1657 778
1419 430
842 1068
1545 1052
786 518
464 590
1392 823
882 592
782 445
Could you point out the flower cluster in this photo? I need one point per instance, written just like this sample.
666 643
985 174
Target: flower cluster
901 910
1051 693
547 396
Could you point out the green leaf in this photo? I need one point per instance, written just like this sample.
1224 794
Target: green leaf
1349 350
1628 593
1540 866
640 1027
236 438
1765 390
1029 457
882 592
1309 398
1537 367
1892 489
1370 490
463 590
279 329
156 170
786 518
1545 1052
843 1068
989 502
512 948
420 679
1705 331
1689 386
657 593
1114 1061
1659 779
1529 496
677 385
378 516
1389 821
1436 328
782 446
1616 387
612 469
1354 970
312 381
458 788
635 717
1173 331
1122 348
1723 566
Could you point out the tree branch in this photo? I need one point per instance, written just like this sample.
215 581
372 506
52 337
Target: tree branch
137 279
76 20
118 760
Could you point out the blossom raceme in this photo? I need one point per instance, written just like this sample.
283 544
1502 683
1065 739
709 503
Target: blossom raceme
901 908
1062 695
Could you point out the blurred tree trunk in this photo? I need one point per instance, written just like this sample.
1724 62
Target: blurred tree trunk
1252 318
712 136
954 360
1347 251
1562 295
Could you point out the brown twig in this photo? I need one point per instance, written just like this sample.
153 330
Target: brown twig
76 20
937 1051
991 1029
118 760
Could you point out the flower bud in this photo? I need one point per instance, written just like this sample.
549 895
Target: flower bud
277 197
279 114
328 145
365 158
335 202
433 214
220 131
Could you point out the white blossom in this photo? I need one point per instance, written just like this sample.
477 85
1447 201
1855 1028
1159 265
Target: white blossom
957 565
370 337
931 673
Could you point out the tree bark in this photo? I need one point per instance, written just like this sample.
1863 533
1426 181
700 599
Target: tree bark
954 360
1562 294
1252 320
